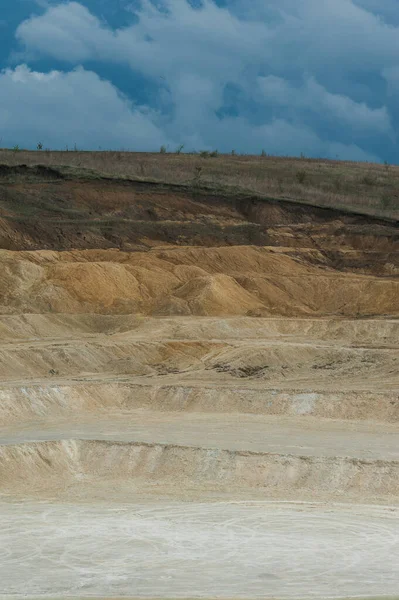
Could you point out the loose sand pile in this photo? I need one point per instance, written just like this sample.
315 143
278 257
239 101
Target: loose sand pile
198 281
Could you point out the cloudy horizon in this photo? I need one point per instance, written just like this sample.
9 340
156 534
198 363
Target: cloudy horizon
291 77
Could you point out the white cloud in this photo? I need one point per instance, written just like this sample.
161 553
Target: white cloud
167 44
196 52
77 107
66 32
258 46
280 137
336 107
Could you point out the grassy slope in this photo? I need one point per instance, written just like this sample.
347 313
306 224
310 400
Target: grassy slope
360 187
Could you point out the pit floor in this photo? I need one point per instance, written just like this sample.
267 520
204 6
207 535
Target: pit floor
198 550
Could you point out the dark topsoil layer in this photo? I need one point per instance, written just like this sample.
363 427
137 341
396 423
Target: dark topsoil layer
65 208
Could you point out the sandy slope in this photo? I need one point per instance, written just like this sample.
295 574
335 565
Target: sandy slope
101 412
226 281
159 407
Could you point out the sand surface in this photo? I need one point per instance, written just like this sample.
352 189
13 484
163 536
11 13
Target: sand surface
200 422
260 434
185 481
212 549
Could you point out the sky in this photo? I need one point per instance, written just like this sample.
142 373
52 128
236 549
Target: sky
290 77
